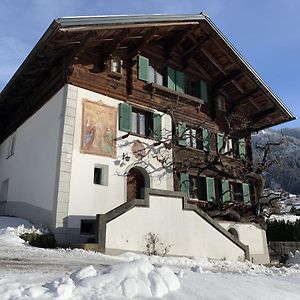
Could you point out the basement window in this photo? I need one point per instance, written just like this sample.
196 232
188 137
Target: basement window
101 174
4 191
88 227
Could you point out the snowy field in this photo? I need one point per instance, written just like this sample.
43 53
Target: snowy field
33 273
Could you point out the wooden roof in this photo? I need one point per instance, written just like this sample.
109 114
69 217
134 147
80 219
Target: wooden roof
194 39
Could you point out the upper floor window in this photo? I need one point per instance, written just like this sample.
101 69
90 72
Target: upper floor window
197 138
194 138
155 75
11 145
192 87
116 65
139 121
171 78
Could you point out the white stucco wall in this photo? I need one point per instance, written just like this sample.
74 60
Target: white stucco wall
189 234
254 236
88 199
32 168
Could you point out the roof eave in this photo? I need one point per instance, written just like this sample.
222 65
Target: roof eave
279 102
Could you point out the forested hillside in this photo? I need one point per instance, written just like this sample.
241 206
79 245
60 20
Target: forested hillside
284 175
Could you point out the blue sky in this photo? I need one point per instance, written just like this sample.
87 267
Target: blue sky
267 33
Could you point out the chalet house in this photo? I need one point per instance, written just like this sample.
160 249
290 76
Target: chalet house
117 126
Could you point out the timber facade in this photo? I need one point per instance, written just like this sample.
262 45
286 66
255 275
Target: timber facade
146 107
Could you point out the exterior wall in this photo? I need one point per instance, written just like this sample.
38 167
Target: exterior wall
32 169
88 199
188 233
254 236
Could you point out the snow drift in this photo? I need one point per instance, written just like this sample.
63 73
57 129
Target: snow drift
131 279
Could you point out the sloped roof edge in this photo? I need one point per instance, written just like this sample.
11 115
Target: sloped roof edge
67 22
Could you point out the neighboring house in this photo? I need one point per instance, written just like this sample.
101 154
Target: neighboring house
115 116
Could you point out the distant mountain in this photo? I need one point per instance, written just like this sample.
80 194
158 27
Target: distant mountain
285 175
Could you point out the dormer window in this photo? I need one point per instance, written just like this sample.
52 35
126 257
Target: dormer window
116 65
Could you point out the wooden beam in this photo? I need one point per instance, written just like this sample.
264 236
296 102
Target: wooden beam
171 45
201 69
188 54
264 113
147 38
238 86
213 60
227 79
246 96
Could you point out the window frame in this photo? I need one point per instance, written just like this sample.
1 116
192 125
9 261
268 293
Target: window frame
104 175
119 66
4 190
91 222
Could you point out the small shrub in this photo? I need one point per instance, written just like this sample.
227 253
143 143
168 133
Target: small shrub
39 240
154 246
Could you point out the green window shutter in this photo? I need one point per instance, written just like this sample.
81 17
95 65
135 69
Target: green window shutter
185 183
180 82
220 140
125 112
225 191
203 90
246 193
157 126
206 139
143 66
242 149
171 78
210 189
181 130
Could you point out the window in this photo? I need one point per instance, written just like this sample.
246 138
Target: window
196 187
221 103
116 65
4 190
237 191
138 121
12 145
240 192
88 226
192 87
141 122
172 79
155 75
194 138
101 175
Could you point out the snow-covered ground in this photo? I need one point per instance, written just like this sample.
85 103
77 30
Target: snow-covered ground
285 217
33 273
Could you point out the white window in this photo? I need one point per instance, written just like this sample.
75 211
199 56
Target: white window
101 174
11 145
4 190
221 102
116 65
155 75
228 147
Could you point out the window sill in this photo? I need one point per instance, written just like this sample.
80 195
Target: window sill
155 89
144 136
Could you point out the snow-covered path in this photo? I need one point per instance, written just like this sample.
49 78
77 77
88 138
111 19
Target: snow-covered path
33 273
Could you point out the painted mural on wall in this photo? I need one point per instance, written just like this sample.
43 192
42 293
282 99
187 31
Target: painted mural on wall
98 129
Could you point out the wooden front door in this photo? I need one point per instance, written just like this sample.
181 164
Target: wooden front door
135 184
